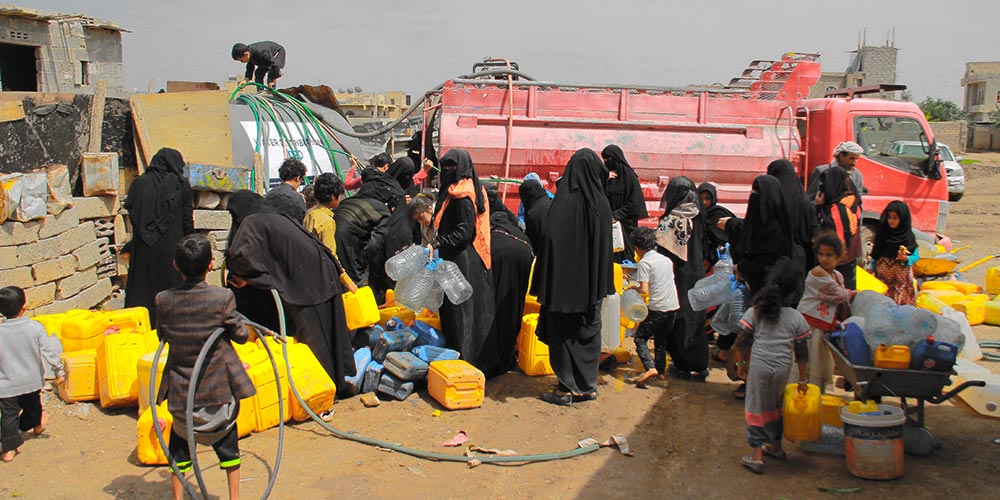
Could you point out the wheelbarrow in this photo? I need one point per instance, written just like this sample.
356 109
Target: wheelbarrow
922 386
943 267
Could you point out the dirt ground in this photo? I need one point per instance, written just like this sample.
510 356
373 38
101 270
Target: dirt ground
686 438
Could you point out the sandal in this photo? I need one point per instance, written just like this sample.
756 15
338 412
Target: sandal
583 398
556 399
770 451
755 466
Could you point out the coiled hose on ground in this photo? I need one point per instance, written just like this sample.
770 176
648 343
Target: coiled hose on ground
280 337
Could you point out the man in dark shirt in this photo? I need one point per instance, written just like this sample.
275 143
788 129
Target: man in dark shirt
285 197
267 57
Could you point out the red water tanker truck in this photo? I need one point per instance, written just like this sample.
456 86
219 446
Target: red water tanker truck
726 134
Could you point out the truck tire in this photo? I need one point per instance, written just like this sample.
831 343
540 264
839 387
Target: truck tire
867 242
955 196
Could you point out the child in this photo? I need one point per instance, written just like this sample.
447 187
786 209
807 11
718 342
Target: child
824 296
776 331
262 59
23 345
655 274
894 252
187 316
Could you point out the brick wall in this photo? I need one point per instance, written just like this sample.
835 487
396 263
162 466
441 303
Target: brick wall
950 133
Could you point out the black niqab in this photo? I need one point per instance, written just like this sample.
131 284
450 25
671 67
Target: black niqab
887 239
464 169
765 228
164 206
624 191
573 271
403 170
794 197
536 210
714 212
679 190
836 184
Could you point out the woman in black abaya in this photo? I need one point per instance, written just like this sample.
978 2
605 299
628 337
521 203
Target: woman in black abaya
511 254
403 170
625 197
573 273
160 208
463 237
763 237
270 251
679 236
715 238
802 220
536 210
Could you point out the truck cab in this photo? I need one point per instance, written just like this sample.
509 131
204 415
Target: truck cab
900 161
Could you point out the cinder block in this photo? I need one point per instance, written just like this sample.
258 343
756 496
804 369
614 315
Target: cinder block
95 294
90 254
18 233
41 295
214 277
19 276
95 207
212 220
8 257
76 238
39 251
99 172
53 225
54 269
68 287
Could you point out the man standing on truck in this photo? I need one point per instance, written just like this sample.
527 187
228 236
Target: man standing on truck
261 58
846 156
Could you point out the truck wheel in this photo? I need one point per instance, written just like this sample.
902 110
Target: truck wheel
867 242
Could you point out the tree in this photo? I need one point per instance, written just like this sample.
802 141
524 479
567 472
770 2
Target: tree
940 110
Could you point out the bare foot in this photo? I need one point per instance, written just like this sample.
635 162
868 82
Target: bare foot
9 456
40 428
641 382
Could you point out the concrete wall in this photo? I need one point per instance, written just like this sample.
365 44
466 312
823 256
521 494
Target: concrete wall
63 47
984 138
951 133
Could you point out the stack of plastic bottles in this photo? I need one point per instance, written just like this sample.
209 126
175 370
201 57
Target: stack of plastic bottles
714 289
423 282
395 359
726 319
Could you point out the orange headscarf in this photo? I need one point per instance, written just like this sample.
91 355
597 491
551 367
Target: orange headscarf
481 242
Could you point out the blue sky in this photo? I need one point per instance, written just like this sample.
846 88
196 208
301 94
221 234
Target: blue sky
413 46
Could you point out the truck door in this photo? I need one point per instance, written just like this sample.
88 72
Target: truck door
900 163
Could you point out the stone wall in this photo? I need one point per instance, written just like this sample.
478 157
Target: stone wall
61 261
950 133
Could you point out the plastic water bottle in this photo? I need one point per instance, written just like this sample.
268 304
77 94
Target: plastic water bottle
633 307
414 295
611 321
435 298
708 293
455 286
407 262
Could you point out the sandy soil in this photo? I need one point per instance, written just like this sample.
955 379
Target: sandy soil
686 436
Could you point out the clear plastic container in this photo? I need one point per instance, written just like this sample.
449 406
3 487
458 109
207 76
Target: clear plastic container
414 293
867 300
406 262
454 284
708 292
435 298
633 307
611 328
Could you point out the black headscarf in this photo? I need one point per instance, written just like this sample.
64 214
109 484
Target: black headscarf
679 190
500 216
573 271
887 239
403 171
713 213
794 197
765 228
625 187
377 185
159 211
835 184
464 170
413 151
536 209
243 204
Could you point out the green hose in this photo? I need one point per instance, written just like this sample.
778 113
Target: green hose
990 344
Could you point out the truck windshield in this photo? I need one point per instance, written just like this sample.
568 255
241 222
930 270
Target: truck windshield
893 141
